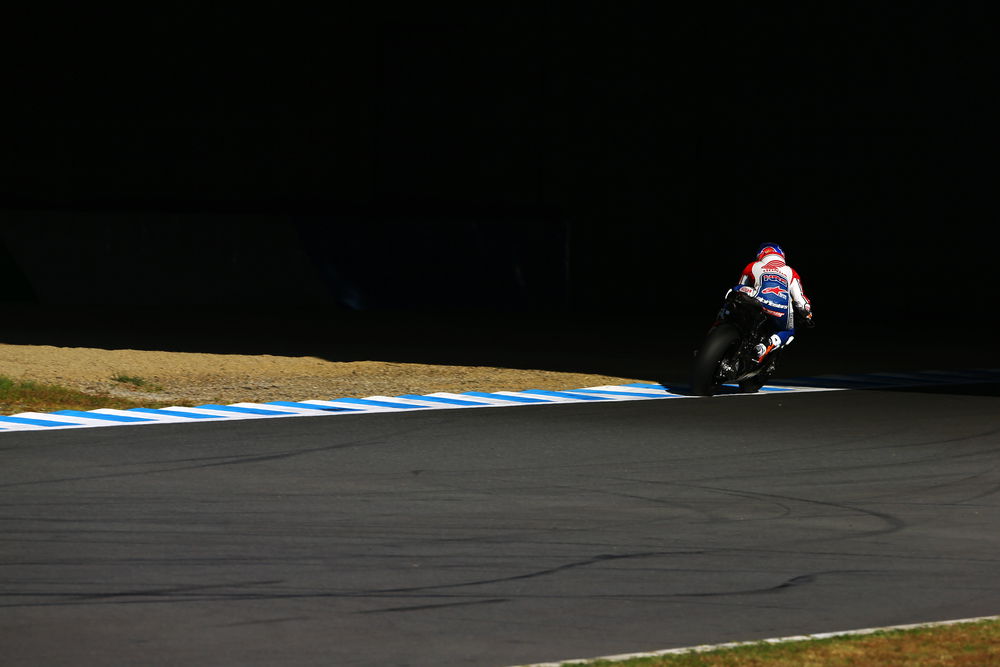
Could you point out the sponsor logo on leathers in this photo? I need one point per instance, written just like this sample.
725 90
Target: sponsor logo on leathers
769 277
773 304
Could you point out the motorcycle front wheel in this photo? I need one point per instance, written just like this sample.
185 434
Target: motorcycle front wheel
706 362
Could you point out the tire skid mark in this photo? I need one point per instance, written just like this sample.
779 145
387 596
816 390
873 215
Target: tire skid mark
799 580
602 558
707 513
170 594
190 594
665 502
233 460
427 607
893 523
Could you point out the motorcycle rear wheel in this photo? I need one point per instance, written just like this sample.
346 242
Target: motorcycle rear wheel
753 384
706 361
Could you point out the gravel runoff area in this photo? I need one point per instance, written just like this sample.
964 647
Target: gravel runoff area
194 378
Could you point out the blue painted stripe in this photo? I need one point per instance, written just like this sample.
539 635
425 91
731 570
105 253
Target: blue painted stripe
565 394
503 397
312 406
36 422
845 381
441 399
245 411
100 415
626 393
381 404
177 413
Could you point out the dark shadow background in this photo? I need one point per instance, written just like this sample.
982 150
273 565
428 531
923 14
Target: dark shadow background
527 184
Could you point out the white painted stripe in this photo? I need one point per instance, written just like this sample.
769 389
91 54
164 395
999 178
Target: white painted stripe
357 407
541 397
78 419
796 389
478 400
491 402
294 411
322 404
209 412
46 417
417 403
11 426
220 414
613 393
630 390
154 418
597 393
321 408
779 640
407 401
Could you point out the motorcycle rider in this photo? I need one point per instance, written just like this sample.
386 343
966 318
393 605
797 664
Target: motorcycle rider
778 288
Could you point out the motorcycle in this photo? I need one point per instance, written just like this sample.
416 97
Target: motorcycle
727 356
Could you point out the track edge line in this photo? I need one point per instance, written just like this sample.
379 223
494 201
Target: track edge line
703 648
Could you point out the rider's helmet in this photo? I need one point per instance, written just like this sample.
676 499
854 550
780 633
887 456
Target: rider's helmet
769 249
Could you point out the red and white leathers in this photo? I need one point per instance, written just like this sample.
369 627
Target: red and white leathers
777 287
756 274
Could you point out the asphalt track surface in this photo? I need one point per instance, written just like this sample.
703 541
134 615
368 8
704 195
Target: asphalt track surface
499 536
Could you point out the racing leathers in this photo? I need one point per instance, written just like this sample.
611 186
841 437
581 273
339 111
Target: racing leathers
778 288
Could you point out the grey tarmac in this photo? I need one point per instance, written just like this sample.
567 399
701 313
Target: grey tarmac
499 537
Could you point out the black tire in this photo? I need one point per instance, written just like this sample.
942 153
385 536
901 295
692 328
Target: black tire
753 385
706 361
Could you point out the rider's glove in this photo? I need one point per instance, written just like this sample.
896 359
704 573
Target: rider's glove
807 319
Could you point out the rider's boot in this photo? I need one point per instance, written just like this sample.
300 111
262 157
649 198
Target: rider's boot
762 350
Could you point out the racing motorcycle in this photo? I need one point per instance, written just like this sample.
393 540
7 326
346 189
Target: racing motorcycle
727 356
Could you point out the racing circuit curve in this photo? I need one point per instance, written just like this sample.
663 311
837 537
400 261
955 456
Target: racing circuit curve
498 537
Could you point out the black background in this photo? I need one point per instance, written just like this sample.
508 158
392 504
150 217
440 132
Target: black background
198 176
